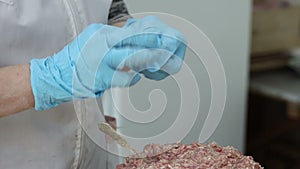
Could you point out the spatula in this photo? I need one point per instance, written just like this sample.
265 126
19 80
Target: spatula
107 129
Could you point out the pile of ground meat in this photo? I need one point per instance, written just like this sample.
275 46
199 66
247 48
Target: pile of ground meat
193 156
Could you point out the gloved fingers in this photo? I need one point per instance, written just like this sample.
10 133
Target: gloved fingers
149 39
119 37
113 78
180 52
137 59
146 40
132 37
170 54
153 24
142 39
170 43
124 79
116 57
146 32
174 64
150 59
145 23
158 75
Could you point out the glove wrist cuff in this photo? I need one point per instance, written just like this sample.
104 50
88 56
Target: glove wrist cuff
48 85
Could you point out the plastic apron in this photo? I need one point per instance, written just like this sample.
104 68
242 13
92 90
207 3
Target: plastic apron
50 139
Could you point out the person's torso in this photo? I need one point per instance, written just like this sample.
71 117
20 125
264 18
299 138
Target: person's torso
35 29
38 28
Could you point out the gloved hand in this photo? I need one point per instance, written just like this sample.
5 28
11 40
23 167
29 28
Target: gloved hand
93 62
170 49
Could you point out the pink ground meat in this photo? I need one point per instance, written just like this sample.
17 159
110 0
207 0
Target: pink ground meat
193 156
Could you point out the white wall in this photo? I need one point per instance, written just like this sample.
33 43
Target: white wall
226 23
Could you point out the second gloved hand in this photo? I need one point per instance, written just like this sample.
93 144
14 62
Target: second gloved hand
93 62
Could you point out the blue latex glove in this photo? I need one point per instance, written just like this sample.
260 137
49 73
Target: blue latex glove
93 62
170 51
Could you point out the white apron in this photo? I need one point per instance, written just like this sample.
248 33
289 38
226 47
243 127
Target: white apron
39 28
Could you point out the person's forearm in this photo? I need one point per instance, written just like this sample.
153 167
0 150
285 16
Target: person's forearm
15 92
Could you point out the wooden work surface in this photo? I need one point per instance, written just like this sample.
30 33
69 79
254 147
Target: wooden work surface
283 84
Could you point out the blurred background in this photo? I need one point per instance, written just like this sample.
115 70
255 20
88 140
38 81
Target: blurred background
273 136
259 45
